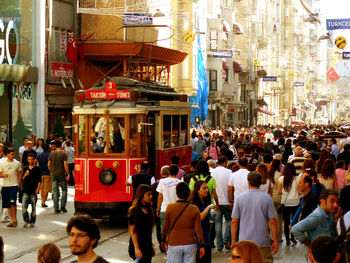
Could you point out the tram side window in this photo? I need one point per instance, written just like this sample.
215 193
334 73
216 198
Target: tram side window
184 129
133 136
98 134
166 131
82 130
116 135
175 131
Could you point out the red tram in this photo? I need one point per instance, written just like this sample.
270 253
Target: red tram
117 126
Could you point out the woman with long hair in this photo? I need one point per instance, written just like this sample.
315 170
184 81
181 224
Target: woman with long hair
275 174
49 253
288 187
246 251
287 152
317 188
327 175
39 146
200 197
308 164
267 183
140 225
323 156
202 168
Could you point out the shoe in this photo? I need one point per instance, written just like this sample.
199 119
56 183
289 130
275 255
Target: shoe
25 224
32 225
293 240
288 243
64 210
5 221
12 224
57 211
44 205
165 256
213 246
227 245
218 250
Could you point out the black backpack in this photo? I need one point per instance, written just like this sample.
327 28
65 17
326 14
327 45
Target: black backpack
343 241
207 179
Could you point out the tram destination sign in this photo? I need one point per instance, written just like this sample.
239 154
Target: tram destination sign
107 95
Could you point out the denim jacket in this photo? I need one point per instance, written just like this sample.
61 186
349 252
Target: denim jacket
317 223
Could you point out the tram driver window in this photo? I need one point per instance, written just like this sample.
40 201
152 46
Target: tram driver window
116 135
98 134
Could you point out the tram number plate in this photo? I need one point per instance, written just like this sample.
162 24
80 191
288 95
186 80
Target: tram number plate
107 95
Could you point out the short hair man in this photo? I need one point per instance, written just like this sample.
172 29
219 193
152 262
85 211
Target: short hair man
324 250
319 222
83 238
142 177
255 208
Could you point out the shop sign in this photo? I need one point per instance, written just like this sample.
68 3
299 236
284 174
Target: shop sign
298 84
334 24
221 53
25 92
62 70
107 95
346 55
270 78
63 41
5 43
137 19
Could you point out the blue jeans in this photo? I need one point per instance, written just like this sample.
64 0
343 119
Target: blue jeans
224 211
26 200
56 182
182 254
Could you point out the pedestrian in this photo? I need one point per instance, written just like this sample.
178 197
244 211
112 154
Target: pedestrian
246 251
140 225
187 177
28 151
324 250
22 148
317 187
46 184
327 176
288 187
238 182
199 146
58 168
200 197
142 177
49 253
83 238
324 155
175 160
39 146
221 176
335 150
70 160
255 208
212 150
11 171
267 183
298 159
182 229
31 180
340 173
167 192
319 222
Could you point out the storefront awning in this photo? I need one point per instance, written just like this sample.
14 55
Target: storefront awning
265 111
225 65
237 66
299 109
238 29
226 27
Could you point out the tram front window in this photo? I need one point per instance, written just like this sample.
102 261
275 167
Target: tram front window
98 134
116 135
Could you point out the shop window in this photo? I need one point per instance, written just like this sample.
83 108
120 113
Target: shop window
213 75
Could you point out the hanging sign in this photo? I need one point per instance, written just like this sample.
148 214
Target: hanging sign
298 84
346 55
62 70
137 19
335 24
332 75
270 78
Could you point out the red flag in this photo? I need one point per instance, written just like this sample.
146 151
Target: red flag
332 75
75 48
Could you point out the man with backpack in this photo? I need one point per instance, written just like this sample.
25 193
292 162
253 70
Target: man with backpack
343 229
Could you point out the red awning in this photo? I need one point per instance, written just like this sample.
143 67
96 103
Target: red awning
265 111
237 29
225 65
237 66
226 27
299 109
298 122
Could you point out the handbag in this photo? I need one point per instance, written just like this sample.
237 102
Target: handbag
171 228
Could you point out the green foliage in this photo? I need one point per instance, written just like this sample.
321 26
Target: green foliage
58 127
20 132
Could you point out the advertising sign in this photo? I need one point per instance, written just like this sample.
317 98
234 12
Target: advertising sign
107 95
137 19
298 84
334 24
332 75
62 70
346 55
270 78
221 53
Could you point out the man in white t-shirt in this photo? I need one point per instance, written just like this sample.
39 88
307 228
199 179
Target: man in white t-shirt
167 192
268 135
11 171
238 181
23 148
221 176
5 214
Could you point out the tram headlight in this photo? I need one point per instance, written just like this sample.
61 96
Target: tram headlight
107 176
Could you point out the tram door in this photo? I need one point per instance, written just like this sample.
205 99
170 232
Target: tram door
151 142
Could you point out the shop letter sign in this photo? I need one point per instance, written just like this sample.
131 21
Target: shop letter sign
5 46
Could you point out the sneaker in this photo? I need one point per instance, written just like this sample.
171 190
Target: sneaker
57 211
25 224
64 210
32 225
165 256
43 205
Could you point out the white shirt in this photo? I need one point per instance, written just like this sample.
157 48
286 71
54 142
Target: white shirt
346 222
12 169
167 187
291 198
266 187
221 176
239 180
1 160
22 149
269 136
70 154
